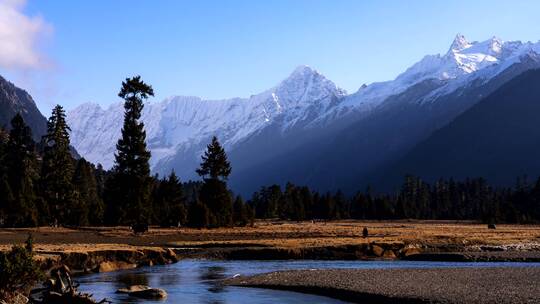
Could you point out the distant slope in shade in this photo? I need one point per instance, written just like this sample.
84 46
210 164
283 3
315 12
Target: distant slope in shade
358 154
498 139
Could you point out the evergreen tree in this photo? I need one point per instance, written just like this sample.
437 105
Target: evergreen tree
57 169
4 139
170 208
128 190
88 207
215 170
100 175
21 175
198 215
6 197
214 163
241 215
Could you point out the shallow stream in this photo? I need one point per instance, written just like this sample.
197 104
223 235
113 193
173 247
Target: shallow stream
197 281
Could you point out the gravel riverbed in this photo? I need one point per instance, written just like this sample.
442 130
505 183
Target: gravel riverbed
439 285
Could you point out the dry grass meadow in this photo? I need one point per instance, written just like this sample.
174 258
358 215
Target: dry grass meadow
279 234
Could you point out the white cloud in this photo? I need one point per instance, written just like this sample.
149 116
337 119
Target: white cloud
21 36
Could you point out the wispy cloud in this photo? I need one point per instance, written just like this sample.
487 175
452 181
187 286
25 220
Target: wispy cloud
21 37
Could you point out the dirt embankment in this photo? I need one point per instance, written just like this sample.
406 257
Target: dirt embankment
105 260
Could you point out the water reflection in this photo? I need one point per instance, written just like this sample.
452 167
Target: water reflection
170 278
124 280
211 276
212 273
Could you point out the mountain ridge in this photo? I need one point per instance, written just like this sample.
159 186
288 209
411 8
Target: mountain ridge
15 100
301 108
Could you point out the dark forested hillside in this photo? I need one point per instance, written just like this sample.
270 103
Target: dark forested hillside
498 139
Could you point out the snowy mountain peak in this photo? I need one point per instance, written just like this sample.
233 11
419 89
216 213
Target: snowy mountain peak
303 70
304 75
306 84
459 43
463 59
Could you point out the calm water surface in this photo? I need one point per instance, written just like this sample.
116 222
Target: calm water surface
196 281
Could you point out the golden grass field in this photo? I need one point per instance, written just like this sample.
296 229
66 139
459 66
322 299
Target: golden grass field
278 234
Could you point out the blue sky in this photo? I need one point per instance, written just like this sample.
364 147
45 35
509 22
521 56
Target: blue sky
220 49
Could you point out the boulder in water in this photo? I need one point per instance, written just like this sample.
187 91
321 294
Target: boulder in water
144 292
151 293
133 288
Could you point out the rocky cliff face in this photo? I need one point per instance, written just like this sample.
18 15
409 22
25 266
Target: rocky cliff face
14 100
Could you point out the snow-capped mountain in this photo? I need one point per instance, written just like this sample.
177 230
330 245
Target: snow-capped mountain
182 121
463 59
306 105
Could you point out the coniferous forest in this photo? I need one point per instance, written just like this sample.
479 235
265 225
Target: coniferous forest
43 183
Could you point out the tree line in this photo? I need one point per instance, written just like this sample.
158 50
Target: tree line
44 184
446 199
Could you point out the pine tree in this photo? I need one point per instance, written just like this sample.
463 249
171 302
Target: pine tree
21 175
57 168
170 208
89 207
215 164
6 197
198 215
128 190
215 170
241 216
4 139
100 175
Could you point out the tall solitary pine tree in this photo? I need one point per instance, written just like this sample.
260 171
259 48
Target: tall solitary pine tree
128 190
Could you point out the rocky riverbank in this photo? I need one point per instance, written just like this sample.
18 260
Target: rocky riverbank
104 260
444 285
370 251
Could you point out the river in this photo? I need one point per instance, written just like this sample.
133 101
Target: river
197 281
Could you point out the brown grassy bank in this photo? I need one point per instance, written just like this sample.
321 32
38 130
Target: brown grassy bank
267 239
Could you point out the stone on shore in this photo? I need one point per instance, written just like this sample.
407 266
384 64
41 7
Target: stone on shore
389 254
377 250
